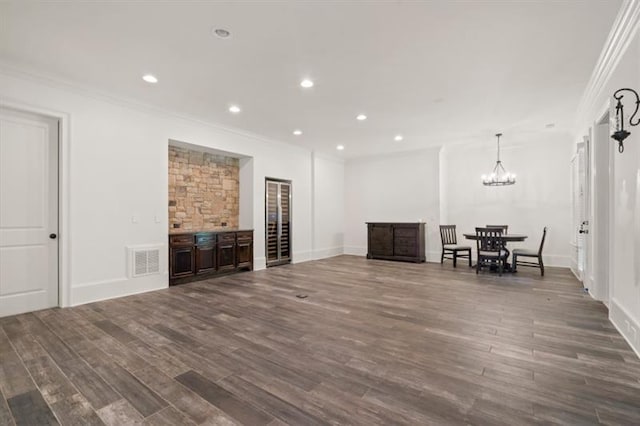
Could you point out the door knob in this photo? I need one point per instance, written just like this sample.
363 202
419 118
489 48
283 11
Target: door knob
53 236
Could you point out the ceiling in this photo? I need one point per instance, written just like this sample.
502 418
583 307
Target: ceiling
436 72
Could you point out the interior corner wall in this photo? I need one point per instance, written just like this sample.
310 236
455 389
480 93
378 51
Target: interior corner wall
328 206
541 196
118 168
624 244
400 187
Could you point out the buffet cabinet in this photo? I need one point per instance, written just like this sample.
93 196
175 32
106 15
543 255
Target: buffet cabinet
396 241
200 255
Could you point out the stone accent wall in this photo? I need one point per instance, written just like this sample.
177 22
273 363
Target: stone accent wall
203 190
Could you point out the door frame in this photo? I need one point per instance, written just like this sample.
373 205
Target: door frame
600 236
64 224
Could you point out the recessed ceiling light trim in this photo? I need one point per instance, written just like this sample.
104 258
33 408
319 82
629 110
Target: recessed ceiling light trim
297 132
234 109
221 33
361 117
150 78
340 147
398 138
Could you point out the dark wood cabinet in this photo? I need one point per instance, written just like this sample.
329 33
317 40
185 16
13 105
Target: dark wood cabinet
244 250
182 262
396 241
194 256
226 255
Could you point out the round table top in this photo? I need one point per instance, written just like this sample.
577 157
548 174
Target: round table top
505 237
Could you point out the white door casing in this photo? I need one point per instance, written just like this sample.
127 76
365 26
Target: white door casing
28 212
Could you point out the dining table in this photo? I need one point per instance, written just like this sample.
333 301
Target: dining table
507 238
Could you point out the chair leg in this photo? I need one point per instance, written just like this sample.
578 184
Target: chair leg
541 266
455 258
478 266
514 267
469 258
442 257
500 267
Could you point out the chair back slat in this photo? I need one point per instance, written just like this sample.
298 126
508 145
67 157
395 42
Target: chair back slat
544 236
504 228
448 234
489 239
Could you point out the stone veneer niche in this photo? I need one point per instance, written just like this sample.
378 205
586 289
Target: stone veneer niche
203 190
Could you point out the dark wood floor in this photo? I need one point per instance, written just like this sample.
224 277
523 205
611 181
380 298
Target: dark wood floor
374 342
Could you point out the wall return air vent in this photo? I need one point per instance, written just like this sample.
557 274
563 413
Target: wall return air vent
143 261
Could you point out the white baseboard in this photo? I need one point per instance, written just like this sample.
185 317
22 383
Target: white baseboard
328 252
259 263
103 290
301 256
355 250
628 326
433 256
556 260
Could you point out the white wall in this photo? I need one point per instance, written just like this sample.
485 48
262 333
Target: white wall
117 168
328 206
400 187
624 244
541 196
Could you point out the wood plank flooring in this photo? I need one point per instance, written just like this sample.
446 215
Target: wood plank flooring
374 343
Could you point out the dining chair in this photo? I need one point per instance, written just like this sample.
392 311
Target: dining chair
490 248
530 254
450 245
504 228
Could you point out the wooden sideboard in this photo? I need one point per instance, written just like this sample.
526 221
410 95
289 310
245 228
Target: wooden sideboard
200 255
396 241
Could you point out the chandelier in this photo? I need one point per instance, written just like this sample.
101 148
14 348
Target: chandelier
499 176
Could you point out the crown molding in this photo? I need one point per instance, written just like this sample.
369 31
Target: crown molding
624 29
15 71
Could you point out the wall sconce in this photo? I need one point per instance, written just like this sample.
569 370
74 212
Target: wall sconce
621 134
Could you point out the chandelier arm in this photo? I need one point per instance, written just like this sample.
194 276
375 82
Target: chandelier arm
618 95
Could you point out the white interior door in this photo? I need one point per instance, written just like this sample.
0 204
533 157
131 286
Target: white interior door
28 212
579 207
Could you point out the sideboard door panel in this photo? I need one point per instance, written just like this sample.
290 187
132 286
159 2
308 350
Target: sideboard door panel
381 240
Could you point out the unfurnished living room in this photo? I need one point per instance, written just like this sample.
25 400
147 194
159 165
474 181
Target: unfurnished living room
320 212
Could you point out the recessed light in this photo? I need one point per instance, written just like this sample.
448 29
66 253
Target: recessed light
150 78
234 109
398 138
340 147
221 33
297 132
361 117
306 83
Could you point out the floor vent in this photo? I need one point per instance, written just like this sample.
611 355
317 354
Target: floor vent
144 261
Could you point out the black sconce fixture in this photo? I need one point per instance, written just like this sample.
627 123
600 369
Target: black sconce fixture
621 134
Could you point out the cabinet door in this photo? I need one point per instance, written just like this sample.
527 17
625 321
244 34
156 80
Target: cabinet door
380 240
182 262
205 259
226 256
244 253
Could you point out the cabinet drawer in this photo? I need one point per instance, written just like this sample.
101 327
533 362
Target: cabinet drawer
226 236
181 240
205 239
245 235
